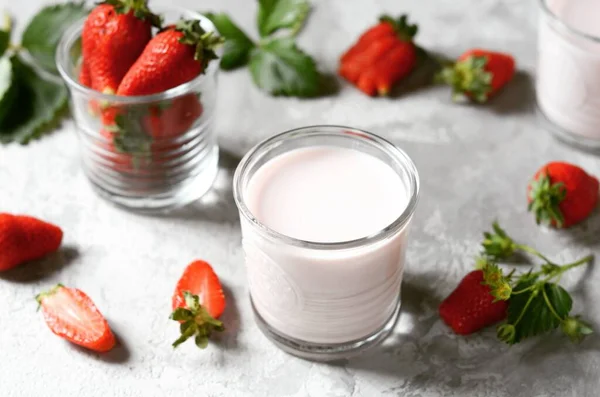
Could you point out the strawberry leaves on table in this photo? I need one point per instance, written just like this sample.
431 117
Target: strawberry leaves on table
36 106
276 64
43 33
280 68
537 303
237 47
281 14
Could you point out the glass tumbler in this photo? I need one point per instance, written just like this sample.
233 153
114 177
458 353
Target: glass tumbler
146 153
301 291
568 74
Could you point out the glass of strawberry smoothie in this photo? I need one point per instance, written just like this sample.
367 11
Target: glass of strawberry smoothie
325 213
568 75
145 153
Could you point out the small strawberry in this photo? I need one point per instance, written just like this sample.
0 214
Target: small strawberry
24 238
71 314
114 35
471 307
173 57
197 302
383 55
562 194
478 74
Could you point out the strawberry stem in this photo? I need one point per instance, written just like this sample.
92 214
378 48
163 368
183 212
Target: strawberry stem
534 252
533 295
547 300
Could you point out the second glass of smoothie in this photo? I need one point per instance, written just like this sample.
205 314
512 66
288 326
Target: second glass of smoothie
325 212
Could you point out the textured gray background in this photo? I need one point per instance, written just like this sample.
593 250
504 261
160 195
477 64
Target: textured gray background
474 164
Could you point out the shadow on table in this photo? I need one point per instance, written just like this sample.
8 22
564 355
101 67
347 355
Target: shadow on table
231 320
217 205
40 269
421 78
518 96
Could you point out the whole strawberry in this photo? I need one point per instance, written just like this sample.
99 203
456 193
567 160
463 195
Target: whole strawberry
478 74
471 307
174 56
383 55
562 194
114 35
24 238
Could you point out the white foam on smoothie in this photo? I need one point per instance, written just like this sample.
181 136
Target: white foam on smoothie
326 194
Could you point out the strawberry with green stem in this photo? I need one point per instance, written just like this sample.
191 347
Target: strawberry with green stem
114 35
383 55
198 302
478 74
562 194
537 304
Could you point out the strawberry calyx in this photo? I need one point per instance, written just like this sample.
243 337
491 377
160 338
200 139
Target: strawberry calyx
40 297
404 30
203 41
468 77
195 322
545 198
139 8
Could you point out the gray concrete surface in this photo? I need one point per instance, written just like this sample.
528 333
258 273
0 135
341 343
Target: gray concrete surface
474 163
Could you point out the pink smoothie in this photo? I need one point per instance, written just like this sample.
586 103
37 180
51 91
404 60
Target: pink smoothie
568 82
326 195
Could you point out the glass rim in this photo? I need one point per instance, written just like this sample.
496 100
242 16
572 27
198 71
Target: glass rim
564 25
73 33
388 148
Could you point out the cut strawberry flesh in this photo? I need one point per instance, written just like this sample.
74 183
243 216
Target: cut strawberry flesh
200 279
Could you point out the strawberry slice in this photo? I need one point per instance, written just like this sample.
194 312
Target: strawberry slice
197 302
72 315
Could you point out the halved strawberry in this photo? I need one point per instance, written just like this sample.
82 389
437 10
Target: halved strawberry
72 315
197 302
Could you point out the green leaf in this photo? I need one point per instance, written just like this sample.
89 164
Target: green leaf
201 341
36 107
280 68
5 34
181 314
279 14
237 47
8 87
575 328
536 317
43 33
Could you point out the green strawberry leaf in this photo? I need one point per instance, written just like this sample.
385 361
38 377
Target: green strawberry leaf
36 106
5 31
8 86
281 14
280 68
43 33
237 47
536 311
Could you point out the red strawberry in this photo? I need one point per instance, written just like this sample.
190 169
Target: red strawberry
84 75
175 118
24 238
562 194
197 302
114 35
383 55
71 314
173 57
478 74
471 307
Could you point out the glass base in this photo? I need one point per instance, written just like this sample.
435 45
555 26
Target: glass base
329 352
170 197
578 141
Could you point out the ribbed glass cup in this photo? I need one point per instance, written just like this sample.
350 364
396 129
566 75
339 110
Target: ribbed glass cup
325 301
146 153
